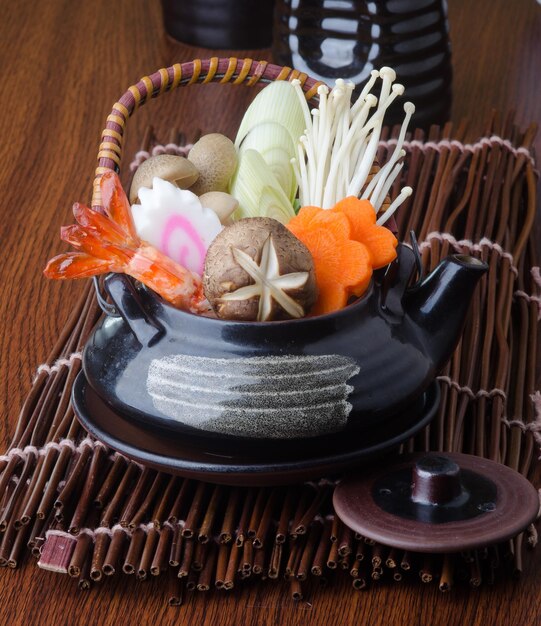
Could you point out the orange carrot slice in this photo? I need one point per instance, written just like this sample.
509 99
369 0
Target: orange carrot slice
343 266
362 219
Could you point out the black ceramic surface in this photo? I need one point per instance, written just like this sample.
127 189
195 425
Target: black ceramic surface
220 24
259 464
285 380
350 38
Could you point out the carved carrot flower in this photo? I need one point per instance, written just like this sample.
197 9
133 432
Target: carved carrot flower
346 245
362 219
343 266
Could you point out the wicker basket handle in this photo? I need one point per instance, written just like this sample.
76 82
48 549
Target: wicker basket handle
225 70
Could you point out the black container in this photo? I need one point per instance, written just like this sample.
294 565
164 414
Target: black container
347 39
220 24
351 369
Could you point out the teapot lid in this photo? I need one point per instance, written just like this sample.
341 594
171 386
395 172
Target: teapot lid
437 502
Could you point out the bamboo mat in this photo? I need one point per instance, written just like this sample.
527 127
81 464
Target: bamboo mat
85 511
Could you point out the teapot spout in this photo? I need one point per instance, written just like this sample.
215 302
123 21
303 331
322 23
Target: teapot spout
438 305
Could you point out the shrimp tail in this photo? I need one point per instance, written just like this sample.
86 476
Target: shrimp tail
117 206
76 265
91 242
109 243
99 224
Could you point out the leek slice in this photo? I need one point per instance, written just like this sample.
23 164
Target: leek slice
258 191
271 205
279 163
274 143
278 103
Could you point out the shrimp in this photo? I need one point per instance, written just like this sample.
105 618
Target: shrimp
109 243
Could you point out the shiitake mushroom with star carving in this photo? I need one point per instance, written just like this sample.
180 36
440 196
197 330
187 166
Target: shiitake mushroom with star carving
256 269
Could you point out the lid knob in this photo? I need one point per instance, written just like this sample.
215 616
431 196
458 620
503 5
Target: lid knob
436 480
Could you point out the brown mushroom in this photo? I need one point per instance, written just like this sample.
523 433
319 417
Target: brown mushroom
170 167
256 269
223 204
215 158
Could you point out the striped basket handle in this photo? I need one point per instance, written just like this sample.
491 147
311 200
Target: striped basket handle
231 70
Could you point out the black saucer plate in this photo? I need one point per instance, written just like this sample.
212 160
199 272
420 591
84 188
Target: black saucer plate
259 464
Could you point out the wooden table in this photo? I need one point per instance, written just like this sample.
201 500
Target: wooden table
64 64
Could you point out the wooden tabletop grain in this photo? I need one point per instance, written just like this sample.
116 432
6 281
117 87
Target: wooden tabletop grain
63 65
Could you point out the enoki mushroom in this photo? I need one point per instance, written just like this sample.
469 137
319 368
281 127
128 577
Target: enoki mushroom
338 148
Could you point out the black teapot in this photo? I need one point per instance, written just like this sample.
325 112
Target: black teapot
289 379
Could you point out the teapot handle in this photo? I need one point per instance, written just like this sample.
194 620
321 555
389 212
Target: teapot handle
127 301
